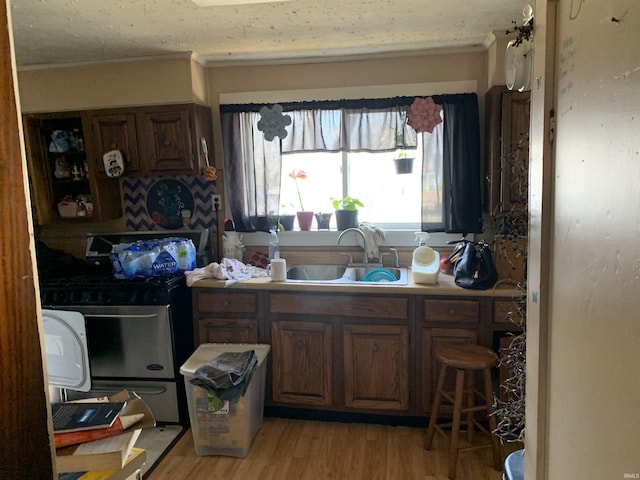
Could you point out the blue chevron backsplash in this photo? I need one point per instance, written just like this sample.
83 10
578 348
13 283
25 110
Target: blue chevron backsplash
135 192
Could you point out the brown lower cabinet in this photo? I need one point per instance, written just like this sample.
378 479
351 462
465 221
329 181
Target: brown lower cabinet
302 359
376 367
360 353
222 317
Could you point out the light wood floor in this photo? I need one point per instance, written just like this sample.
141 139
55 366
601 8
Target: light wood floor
311 450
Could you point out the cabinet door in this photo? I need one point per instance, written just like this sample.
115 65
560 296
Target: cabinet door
166 140
42 202
302 356
223 330
62 171
116 131
376 367
430 338
515 151
507 128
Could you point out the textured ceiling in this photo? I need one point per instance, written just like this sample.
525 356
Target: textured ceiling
71 31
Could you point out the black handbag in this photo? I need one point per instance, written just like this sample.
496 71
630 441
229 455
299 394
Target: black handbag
473 266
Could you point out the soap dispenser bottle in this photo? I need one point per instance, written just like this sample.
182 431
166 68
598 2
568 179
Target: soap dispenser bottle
425 263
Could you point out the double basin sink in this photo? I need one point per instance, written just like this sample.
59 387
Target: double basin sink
340 274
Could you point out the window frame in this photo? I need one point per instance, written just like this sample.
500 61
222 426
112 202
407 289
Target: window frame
400 237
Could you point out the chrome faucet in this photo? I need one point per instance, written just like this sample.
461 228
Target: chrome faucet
364 241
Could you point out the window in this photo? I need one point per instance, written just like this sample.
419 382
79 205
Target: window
347 148
391 200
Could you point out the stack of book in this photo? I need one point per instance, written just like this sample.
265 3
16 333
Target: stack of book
95 439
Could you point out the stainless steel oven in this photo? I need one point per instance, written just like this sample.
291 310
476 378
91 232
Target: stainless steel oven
139 332
139 348
130 347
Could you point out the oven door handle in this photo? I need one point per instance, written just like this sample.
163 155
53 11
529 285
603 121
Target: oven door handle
118 315
111 389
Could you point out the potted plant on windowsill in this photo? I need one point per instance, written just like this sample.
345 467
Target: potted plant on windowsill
286 219
305 218
346 212
323 220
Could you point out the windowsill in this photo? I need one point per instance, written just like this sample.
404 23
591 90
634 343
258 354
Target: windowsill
323 238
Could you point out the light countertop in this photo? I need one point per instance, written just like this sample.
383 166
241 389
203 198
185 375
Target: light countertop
445 287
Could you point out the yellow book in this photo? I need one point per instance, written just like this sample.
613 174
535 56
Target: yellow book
133 464
104 454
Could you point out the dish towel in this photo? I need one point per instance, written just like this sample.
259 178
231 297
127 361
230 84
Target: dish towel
375 238
228 269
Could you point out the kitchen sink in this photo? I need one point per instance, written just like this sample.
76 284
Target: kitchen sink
339 274
376 274
316 273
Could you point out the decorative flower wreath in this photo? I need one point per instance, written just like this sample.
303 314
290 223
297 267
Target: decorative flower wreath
424 114
273 122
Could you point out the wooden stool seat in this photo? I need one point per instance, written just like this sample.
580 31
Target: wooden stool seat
466 355
466 359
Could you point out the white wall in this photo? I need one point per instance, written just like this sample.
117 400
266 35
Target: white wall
594 290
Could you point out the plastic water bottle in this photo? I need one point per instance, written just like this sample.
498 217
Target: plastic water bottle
274 249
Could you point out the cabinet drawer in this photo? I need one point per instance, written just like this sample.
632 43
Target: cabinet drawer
506 312
452 310
221 302
221 330
343 305
502 309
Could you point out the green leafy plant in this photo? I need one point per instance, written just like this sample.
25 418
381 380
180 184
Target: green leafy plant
287 209
401 152
346 203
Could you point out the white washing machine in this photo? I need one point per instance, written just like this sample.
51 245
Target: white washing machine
67 357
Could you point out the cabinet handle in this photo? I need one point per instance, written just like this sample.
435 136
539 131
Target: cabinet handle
299 344
225 303
452 312
167 143
375 348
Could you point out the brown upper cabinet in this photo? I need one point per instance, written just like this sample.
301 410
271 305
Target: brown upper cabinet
155 140
62 163
507 125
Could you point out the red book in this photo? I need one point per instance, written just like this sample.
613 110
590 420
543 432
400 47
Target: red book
121 423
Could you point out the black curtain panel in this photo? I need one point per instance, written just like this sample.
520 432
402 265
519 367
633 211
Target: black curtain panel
462 202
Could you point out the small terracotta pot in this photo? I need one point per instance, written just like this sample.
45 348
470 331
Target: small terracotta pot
305 219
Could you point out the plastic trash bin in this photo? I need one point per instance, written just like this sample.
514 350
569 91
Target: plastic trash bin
227 429
514 466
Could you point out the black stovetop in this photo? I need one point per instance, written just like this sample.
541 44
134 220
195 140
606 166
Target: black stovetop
101 288
66 280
